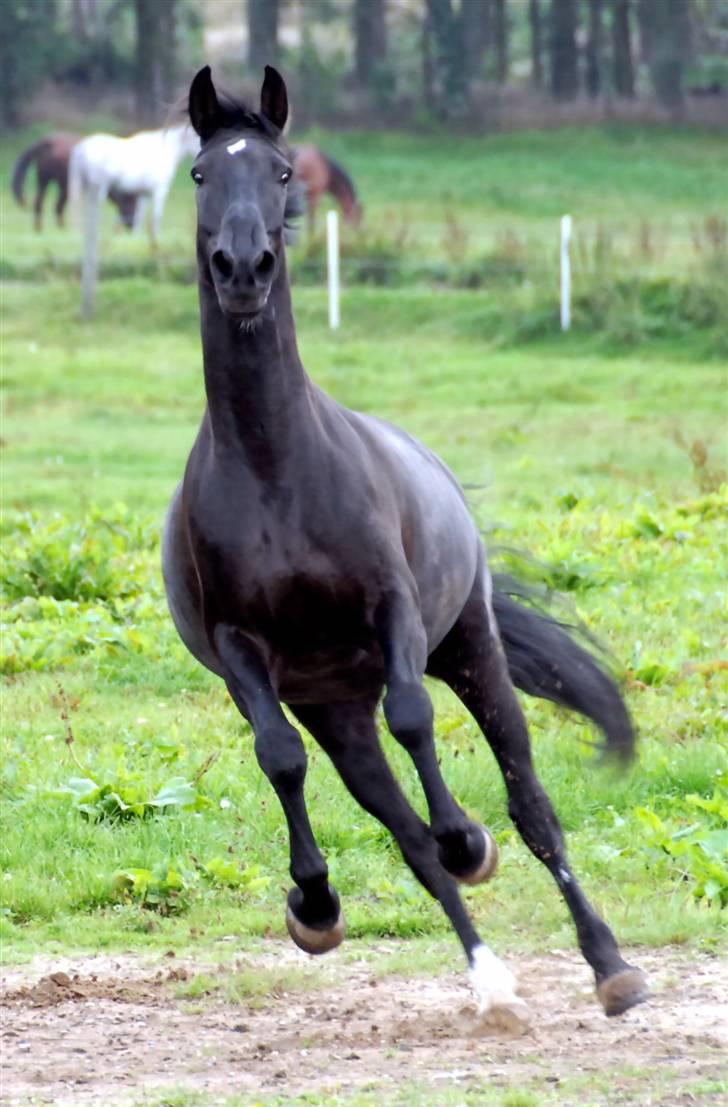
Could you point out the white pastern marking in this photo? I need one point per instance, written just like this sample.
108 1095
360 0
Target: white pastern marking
494 983
236 147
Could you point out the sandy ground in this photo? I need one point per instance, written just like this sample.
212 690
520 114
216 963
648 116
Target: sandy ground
117 1030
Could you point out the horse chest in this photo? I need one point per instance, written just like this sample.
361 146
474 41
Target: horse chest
279 581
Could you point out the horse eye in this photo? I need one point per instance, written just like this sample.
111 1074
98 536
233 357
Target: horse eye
196 176
285 176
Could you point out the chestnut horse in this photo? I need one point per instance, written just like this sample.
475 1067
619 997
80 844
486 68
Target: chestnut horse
51 156
318 173
322 558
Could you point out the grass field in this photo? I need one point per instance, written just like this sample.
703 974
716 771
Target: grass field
134 814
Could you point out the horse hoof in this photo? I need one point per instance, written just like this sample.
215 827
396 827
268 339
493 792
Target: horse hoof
311 940
623 990
513 1017
487 867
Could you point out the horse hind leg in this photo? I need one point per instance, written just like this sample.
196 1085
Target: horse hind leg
467 850
471 661
348 734
61 202
314 917
38 205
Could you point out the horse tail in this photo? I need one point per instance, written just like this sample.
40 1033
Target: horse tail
545 661
21 168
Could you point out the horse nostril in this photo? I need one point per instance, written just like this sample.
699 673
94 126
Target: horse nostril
223 264
264 264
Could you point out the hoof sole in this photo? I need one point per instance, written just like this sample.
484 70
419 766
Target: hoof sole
487 867
315 941
623 990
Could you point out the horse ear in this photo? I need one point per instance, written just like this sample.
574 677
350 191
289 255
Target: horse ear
206 114
274 98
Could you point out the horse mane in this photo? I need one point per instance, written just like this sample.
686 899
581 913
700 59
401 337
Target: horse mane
339 179
236 115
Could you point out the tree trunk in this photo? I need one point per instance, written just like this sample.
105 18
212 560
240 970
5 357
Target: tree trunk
594 50
148 85
262 34
669 26
501 41
450 78
168 52
644 17
623 67
428 65
370 38
535 20
562 49
477 33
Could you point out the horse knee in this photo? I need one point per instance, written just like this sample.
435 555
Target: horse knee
409 714
282 757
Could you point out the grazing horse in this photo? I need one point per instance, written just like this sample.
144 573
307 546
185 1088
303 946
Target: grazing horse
143 164
319 173
51 156
317 557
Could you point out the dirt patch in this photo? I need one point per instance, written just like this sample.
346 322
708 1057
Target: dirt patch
114 1030
59 987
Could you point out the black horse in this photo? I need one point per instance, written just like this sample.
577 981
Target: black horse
316 557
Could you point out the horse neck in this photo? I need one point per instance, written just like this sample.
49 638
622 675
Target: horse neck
340 190
173 145
259 397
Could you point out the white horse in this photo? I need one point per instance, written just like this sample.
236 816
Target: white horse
144 164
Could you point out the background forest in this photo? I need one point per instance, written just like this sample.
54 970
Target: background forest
484 63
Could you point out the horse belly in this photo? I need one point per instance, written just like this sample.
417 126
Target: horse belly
182 587
330 676
319 633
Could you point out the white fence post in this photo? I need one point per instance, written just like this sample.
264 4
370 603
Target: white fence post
332 248
565 273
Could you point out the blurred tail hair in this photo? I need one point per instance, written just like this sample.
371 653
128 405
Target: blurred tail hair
21 167
545 661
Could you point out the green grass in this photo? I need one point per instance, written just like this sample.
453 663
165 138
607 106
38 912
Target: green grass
445 196
628 1090
601 455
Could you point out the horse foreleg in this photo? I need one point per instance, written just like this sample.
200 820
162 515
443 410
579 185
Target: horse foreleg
314 916
158 201
140 210
467 850
347 732
93 199
471 661
311 208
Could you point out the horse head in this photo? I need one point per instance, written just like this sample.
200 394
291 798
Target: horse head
242 175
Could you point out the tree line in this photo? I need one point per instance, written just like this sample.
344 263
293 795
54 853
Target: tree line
438 55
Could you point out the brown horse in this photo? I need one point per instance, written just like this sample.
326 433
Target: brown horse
51 156
318 173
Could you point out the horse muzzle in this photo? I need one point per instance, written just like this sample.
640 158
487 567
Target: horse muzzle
242 284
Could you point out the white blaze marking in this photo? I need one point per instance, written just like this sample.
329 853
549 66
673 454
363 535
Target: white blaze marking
494 983
236 147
